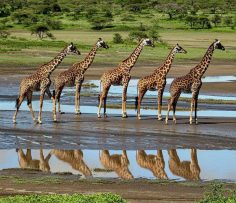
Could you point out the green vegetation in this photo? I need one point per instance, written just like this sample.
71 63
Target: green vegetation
217 194
75 198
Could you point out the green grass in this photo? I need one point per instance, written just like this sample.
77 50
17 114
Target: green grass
75 198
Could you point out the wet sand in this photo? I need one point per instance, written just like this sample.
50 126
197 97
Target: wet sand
86 131
15 181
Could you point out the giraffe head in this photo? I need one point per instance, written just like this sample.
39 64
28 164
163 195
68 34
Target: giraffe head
101 43
147 42
218 45
71 48
179 49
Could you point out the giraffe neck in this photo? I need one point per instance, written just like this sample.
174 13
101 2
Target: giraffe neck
49 67
201 68
89 58
168 62
131 60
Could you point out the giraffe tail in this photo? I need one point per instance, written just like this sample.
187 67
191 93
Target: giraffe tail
53 94
136 100
17 103
99 95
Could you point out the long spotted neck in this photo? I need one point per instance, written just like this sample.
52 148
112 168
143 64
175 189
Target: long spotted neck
52 65
168 62
201 68
131 60
89 58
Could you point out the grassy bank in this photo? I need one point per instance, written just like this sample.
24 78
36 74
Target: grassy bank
75 198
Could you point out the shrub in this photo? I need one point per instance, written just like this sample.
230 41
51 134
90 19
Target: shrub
41 31
117 38
137 35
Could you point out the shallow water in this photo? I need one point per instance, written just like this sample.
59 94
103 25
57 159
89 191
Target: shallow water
170 164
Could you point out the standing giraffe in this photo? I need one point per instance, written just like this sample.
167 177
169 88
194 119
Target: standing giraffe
40 81
157 80
189 170
75 76
120 76
191 83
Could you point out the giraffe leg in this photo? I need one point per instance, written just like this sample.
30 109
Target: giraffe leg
191 108
58 96
19 101
140 97
29 103
102 96
195 106
124 98
105 107
174 109
55 107
77 98
42 93
170 103
160 94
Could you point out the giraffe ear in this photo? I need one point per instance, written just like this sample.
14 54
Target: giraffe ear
100 39
72 44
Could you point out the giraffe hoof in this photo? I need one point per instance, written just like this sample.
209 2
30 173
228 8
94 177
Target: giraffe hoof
99 116
166 122
14 121
159 118
105 115
39 122
139 117
78 113
54 120
196 122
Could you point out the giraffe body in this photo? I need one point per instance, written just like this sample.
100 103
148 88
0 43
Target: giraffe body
40 81
120 76
74 76
191 83
156 81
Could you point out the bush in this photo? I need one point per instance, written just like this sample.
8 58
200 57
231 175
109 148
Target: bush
75 198
137 35
41 31
216 194
117 39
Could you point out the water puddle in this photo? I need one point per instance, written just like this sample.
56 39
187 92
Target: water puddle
172 164
10 106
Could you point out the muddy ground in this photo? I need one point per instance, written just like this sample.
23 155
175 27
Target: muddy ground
16 181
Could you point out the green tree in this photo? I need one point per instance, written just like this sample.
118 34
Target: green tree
41 31
216 20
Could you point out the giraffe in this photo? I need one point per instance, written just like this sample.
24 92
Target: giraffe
26 161
74 76
120 76
157 81
117 163
189 170
40 81
191 83
154 163
74 158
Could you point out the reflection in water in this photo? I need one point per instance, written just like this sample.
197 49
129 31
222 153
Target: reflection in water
26 161
116 162
154 163
189 170
74 158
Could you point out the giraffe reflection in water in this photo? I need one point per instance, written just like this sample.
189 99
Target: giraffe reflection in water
117 162
27 162
74 158
189 170
154 163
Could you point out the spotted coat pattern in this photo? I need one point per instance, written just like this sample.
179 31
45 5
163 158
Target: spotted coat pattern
40 81
157 80
120 76
191 83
